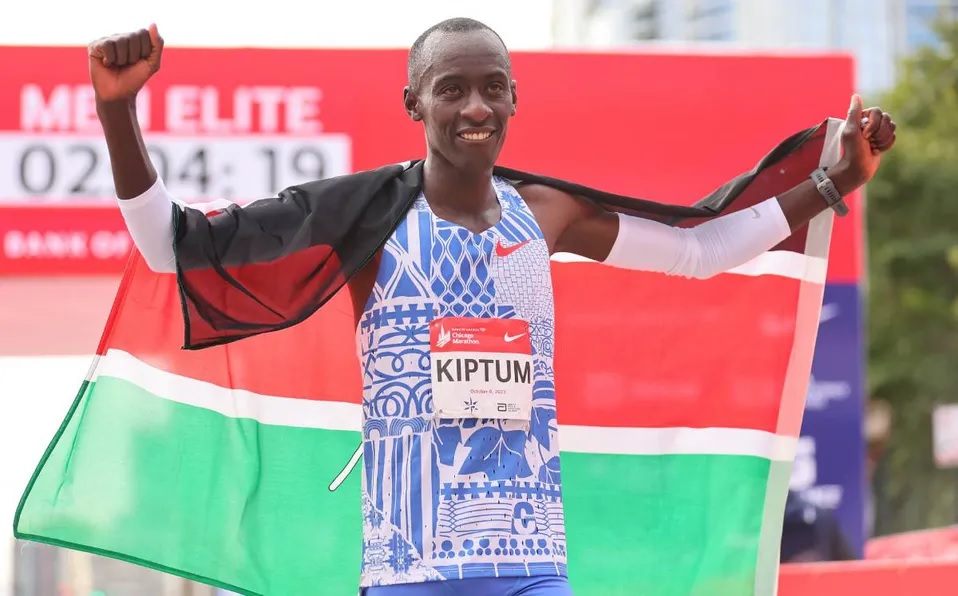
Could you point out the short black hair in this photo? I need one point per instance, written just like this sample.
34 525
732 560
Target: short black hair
416 63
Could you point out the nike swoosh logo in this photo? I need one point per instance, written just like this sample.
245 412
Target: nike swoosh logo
755 213
510 338
505 251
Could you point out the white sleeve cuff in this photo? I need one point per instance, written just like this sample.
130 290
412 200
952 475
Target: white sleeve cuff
149 219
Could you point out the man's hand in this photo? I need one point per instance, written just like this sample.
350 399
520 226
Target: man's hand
867 134
121 64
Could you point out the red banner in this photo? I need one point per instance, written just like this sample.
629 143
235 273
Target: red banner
244 123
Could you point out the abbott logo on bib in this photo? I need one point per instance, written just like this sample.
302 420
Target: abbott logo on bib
481 368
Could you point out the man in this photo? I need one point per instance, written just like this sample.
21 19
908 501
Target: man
466 271
811 533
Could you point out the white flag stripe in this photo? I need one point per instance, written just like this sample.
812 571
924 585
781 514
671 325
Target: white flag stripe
330 415
677 441
234 403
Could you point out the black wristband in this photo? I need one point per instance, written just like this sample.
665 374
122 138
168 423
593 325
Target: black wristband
828 191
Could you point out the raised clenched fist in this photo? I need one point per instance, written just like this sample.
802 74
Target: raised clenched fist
866 136
121 64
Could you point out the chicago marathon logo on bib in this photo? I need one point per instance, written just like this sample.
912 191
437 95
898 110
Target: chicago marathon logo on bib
481 368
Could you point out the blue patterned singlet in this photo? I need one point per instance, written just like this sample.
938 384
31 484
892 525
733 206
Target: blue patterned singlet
457 498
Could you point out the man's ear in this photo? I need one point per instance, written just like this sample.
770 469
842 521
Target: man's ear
515 97
411 102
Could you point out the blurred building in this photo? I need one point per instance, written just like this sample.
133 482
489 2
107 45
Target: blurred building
876 32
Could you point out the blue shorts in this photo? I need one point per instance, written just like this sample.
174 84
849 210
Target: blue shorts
481 586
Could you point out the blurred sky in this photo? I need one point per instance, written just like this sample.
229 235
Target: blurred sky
523 24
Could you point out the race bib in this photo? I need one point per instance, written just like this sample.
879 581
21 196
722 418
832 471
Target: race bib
481 368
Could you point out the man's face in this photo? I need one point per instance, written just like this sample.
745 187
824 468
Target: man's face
465 98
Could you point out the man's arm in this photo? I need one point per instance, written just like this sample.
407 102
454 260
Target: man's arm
120 66
133 172
578 226
594 230
646 245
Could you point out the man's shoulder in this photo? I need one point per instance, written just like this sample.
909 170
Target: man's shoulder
536 192
542 196
536 188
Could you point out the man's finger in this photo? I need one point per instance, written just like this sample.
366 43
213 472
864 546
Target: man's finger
884 145
855 110
133 49
156 41
109 52
885 131
122 45
95 50
146 44
874 116
155 38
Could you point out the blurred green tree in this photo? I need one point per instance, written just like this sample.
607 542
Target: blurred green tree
912 234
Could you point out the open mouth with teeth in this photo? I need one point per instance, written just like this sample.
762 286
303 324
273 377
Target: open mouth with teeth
475 136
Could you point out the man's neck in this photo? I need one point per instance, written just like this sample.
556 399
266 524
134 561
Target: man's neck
457 191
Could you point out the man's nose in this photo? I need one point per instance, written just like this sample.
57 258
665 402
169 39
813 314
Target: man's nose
476 110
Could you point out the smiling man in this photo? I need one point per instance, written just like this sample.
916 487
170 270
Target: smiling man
461 489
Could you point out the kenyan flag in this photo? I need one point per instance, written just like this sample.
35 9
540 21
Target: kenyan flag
679 404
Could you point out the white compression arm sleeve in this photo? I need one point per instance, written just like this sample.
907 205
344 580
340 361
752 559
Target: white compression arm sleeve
149 219
707 249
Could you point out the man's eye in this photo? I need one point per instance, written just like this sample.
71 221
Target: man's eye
449 91
497 87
